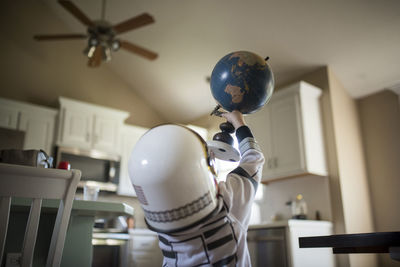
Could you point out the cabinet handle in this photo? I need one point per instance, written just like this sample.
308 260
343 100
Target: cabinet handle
275 162
269 164
87 137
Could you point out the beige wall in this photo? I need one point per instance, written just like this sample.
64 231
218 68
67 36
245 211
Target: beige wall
354 185
380 120
320 78
40 72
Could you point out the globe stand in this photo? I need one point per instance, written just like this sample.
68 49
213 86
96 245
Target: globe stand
216 111
222 143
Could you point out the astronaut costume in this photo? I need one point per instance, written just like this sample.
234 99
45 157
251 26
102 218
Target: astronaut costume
216 235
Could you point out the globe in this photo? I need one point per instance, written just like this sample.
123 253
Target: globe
242 81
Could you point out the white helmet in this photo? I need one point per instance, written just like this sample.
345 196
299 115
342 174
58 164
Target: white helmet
173 177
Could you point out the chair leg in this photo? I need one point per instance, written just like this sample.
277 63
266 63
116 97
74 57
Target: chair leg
5 203
54 236
58 239
63 216
31 233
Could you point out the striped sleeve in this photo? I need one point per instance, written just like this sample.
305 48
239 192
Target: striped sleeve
242 183
246 140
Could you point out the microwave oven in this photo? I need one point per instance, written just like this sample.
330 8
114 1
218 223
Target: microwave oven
97 167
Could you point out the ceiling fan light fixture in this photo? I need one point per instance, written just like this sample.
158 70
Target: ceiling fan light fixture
93 41
89 51
106 53
115 45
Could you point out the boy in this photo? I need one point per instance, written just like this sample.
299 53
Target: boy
199 222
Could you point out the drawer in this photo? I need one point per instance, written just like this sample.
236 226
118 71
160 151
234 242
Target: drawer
145 263
148 259
144 242
141 255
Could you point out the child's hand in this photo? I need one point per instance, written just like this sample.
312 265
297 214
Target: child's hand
235 117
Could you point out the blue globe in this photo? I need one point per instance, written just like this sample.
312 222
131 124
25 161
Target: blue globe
242 81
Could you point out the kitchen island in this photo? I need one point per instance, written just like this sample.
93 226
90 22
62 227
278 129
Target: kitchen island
78 242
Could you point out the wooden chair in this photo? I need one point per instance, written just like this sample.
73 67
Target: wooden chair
38 184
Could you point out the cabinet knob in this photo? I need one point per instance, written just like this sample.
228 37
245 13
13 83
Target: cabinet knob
272 163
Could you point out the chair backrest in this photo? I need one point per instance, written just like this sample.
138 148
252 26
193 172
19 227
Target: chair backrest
38 184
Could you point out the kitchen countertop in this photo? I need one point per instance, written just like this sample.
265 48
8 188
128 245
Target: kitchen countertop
79 207
290 222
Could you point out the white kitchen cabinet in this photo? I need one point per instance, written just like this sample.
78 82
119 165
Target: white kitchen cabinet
39 129
8 114
130 135
289 131
88 126
144 249
76 128
37 122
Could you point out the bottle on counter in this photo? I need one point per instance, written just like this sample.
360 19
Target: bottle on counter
298 207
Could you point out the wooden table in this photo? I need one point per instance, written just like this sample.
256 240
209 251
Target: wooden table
380 242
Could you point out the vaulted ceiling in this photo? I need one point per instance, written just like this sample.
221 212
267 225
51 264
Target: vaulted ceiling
359 40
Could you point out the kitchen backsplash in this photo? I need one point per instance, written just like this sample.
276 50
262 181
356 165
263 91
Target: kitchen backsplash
315 191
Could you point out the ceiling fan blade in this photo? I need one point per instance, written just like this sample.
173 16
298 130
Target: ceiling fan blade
133 23
76 12
58 37
95 59
138 50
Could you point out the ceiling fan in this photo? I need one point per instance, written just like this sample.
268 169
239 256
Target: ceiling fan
101 35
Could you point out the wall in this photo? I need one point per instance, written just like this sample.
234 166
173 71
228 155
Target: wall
320 78
380 120
351 167
40 72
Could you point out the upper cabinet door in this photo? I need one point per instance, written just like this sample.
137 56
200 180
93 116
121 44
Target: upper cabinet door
8 117
37 122
289 132
88 126
77 128
39 130
105 134
260 125
130 135
287 145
